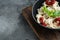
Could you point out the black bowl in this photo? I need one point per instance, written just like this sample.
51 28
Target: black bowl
36 6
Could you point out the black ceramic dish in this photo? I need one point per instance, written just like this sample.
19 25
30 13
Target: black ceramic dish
36 6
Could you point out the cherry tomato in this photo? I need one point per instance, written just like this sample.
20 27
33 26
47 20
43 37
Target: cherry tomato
41 19
57 19
58 24
50 2
42 22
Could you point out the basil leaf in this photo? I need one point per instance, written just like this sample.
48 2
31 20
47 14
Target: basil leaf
56 13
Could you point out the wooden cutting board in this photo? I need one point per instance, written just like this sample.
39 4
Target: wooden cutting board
41 33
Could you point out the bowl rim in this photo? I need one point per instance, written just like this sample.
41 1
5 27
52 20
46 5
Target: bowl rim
36 20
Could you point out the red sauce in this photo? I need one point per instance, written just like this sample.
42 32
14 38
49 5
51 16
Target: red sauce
50 2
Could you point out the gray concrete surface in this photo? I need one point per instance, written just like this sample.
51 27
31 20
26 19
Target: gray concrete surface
12 25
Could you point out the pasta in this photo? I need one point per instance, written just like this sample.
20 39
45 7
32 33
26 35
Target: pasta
49 15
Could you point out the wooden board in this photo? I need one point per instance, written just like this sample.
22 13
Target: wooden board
41 33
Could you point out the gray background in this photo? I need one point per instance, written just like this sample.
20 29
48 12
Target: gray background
12 25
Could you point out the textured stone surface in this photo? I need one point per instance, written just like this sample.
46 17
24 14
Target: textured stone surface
12 25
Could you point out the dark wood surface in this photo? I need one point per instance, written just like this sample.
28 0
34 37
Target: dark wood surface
41 33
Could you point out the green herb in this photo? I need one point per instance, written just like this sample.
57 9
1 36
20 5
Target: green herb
52 13
56 13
